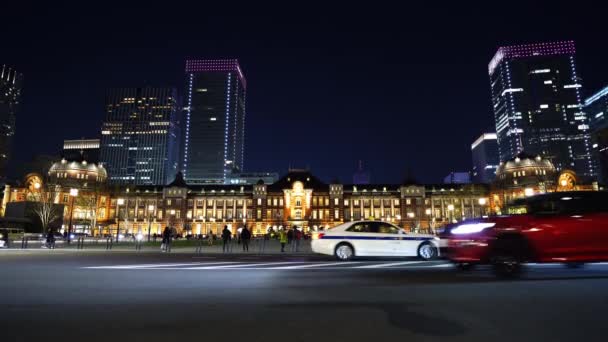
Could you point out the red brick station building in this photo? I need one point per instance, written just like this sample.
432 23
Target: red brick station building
297 199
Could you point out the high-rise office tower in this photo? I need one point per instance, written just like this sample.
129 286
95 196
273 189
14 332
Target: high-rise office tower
10 92
140 136
596 108
485 158
214 133
81 149
536 95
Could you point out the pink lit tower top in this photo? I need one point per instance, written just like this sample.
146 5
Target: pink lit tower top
214 132
536 98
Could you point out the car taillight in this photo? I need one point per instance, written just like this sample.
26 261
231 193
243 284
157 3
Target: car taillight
318 236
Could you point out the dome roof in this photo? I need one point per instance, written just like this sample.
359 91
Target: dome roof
79 167
525 168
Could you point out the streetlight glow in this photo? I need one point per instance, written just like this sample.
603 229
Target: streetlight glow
120 201
73 192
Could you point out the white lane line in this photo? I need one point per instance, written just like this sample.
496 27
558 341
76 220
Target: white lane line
296 267
147 266
240 266
440 266
382 265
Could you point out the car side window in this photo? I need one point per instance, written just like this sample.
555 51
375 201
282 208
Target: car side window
544 207
362 227
385 228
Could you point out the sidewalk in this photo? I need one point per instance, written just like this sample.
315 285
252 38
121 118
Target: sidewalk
256 247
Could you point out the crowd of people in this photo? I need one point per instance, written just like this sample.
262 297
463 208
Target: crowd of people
285 236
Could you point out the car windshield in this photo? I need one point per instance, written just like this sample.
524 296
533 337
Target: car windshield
343 225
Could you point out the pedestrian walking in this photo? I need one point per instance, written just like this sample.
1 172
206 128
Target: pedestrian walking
50 239
226 237
166 239
289 236
5 238
297 236
282 239
245 237
210 238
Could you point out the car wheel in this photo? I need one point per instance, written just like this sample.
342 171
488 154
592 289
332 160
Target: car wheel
427 251
344 252
507 257
575 264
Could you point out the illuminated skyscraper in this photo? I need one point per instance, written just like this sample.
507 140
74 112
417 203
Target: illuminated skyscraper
10 92
140 136
536 95
596 108
485 158
214 124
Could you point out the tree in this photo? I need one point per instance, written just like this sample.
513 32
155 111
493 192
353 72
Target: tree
46 209
88 200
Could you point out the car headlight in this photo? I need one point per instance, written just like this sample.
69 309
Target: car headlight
471 228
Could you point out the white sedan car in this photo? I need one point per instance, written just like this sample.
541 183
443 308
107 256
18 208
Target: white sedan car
373 238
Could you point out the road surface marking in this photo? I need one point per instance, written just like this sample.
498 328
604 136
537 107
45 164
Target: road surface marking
239 266
296 267
441 265
286 265
143 266
391 264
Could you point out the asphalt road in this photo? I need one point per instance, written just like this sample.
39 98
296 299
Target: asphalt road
124 296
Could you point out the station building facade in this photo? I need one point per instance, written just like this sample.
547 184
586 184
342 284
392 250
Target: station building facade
300 199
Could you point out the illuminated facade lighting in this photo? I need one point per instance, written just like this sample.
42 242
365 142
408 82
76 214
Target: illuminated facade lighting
535 118
596 108
215 121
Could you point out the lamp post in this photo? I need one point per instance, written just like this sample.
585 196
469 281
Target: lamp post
150 214
119 202
73 194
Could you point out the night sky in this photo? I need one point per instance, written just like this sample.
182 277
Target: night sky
400 88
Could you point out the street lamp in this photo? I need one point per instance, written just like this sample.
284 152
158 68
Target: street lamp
73 194
150 214
119 202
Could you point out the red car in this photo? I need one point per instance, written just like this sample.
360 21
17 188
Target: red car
564 227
